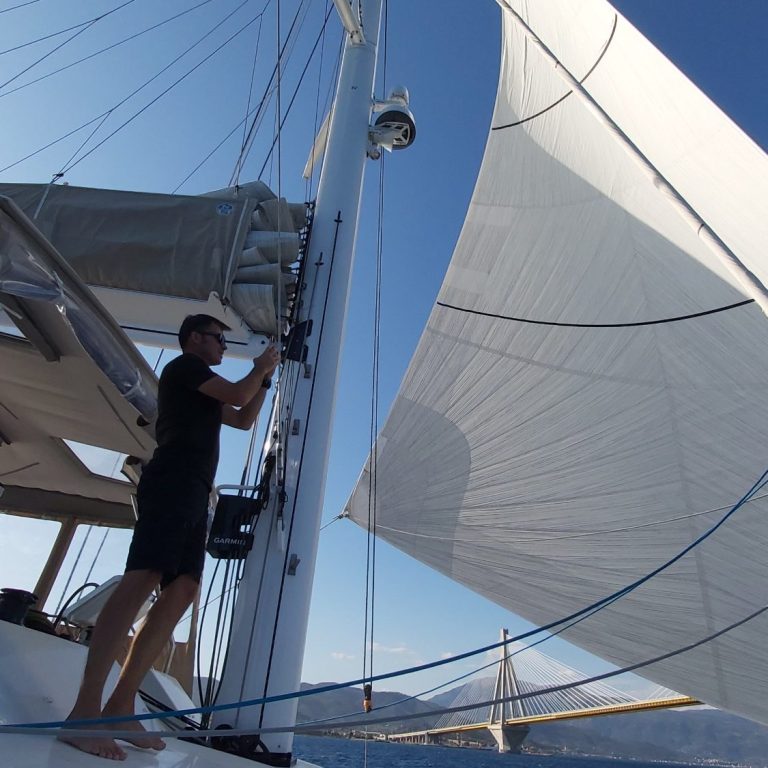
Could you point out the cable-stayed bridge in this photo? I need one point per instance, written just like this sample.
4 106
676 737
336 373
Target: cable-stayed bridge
541 690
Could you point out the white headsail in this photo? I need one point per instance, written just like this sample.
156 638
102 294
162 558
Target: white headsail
585 400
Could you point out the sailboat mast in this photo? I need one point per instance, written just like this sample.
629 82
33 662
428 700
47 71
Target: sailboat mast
269 629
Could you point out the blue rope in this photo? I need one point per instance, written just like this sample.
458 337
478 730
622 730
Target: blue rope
570 620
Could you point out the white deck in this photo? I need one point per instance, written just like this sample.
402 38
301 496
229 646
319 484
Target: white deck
46 752
39 677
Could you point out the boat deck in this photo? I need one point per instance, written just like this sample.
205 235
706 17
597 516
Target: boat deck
39 680
46 752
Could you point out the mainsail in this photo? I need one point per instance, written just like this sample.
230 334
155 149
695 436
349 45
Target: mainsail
588 396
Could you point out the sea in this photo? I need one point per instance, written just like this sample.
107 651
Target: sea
330 752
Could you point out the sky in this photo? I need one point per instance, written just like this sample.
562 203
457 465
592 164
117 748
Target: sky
446 52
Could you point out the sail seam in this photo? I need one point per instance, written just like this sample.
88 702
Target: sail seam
567 94
529 321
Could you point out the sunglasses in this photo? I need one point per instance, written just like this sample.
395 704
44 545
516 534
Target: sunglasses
218 336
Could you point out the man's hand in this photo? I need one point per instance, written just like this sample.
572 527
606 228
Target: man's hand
267 361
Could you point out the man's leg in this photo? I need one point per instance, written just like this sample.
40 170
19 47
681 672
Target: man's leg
110 631
146 647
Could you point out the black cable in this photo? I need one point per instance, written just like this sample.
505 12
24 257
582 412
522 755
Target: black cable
87 26
596 325
104 50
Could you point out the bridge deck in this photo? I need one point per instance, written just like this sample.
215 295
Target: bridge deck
615 709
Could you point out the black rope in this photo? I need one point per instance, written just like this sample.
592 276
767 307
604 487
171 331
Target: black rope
102 50
567 94
595 325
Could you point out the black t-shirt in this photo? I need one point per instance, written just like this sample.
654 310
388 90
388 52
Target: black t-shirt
188 422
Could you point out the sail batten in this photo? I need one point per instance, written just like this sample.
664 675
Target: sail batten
546 466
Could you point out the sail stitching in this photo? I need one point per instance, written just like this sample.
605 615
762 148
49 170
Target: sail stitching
567 94
597 325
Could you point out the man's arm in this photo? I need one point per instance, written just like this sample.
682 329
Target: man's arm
244 418
241 393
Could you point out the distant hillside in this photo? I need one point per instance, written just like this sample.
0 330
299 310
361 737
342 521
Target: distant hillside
349 701
683 735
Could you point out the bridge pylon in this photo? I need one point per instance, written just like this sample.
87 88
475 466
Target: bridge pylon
509 738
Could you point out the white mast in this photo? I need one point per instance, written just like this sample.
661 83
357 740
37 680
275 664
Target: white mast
268 637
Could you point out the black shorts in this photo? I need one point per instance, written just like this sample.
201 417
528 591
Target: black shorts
172 525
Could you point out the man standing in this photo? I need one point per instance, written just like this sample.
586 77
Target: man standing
168 545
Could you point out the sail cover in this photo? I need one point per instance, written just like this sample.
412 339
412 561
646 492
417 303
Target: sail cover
571 419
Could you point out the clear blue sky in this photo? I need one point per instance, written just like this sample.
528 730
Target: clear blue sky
446 53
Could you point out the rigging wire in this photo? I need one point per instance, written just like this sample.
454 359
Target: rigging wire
142 86
103 50
86 27
295 92
308 186
258 111
74 566
45 37
20 5
370 565
239 164
270 88
98 552
169 88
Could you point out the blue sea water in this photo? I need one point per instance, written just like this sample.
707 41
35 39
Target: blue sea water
347 753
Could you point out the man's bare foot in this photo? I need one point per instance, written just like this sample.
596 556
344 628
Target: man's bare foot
141 739
93 745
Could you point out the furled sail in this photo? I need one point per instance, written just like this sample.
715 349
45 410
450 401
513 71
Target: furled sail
226 244
588 397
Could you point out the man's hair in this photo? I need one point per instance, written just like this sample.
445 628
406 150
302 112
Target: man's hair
198 323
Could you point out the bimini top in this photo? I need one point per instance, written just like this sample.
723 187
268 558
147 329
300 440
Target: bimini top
589 395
